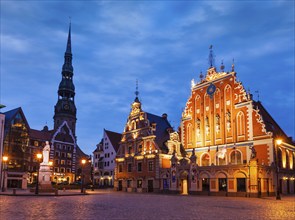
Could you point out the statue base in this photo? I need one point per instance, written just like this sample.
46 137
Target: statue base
44 179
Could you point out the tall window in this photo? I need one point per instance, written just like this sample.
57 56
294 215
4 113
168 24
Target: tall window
240 124
220 159
236 157
139 166
205 160
151 166
129 168
120 168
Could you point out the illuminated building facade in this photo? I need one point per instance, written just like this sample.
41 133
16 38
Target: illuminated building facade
104 159
16 148
143 152
230 141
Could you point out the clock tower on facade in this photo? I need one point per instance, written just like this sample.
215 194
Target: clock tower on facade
65 109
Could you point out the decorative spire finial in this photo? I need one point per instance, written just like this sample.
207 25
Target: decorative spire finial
222 66
233 65
136 90
201 76
211 56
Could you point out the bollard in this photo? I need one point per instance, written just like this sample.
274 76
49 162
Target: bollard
84 190
64 189
56 192
14 191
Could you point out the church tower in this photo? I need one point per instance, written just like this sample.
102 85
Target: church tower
65 109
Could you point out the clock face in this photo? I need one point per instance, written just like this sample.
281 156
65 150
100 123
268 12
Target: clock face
211 89
66 106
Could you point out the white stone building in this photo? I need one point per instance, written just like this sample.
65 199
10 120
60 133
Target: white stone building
104 159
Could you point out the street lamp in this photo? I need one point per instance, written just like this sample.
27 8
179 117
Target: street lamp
277 143
4 159
82 175
39 156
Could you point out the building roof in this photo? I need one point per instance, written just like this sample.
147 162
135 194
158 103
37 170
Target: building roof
114 137
40 135
270 123
161 132
10 115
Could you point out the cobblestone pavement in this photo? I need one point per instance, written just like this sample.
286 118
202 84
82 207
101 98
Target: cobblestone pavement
107 204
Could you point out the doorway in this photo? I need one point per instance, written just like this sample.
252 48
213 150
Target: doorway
150 186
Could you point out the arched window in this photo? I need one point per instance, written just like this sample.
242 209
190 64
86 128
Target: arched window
220 159
205 160
236 157
241 124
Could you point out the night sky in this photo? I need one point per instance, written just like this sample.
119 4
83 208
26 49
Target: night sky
162 44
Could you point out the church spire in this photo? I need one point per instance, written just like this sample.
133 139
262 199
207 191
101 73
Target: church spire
69 45
65 109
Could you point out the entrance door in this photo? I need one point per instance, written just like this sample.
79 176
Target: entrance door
120 185
150 186
184 187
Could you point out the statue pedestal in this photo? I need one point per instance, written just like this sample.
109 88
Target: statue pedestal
44 178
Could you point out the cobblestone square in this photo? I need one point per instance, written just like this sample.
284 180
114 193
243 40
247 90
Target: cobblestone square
107 204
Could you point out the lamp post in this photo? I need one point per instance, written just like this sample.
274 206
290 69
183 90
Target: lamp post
277 143
82 175
39 156
4 159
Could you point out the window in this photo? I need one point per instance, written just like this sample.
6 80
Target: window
241 184
69 148
220 159
68 170
63 155
129 150
56 162
95 164
139 148
222 183
69 155
139 183
151 166
205 160
62 162
56 169
57 154
69 162
62 170
139 166
236 157
120 168
129 167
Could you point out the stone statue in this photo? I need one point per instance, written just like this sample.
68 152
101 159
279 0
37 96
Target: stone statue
45 152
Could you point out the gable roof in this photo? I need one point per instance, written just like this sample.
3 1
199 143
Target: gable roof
270 124
10 115
114 137
40 135
161 132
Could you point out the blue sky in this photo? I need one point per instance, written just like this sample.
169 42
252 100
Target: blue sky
163 44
